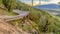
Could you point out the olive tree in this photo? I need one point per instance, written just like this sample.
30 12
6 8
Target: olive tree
9 4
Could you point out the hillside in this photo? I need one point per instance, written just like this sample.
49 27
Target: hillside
48 6
38 21
40 18
7 27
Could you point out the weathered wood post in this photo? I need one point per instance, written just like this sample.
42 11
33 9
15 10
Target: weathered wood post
32 2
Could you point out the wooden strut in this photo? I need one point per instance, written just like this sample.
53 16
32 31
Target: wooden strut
27 18
33 26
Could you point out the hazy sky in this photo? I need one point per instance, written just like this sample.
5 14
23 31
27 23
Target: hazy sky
42 1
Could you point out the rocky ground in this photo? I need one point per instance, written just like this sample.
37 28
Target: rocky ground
6 28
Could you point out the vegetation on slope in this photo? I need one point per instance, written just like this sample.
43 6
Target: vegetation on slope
43 21
9 4
0 2
4 8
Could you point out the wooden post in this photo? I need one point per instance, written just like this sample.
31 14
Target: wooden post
39 2
33 26
32 2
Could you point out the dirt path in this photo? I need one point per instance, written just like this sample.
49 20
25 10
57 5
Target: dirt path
6 28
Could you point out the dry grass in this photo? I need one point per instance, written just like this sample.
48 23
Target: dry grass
2 12
5 12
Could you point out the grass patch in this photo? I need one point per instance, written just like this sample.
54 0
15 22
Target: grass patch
5 12
10 13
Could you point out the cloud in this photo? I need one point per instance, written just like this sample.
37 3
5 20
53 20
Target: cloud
30 2
52 1
46 0
35 3
42 2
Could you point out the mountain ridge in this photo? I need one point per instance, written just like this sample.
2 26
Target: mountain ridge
48 6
